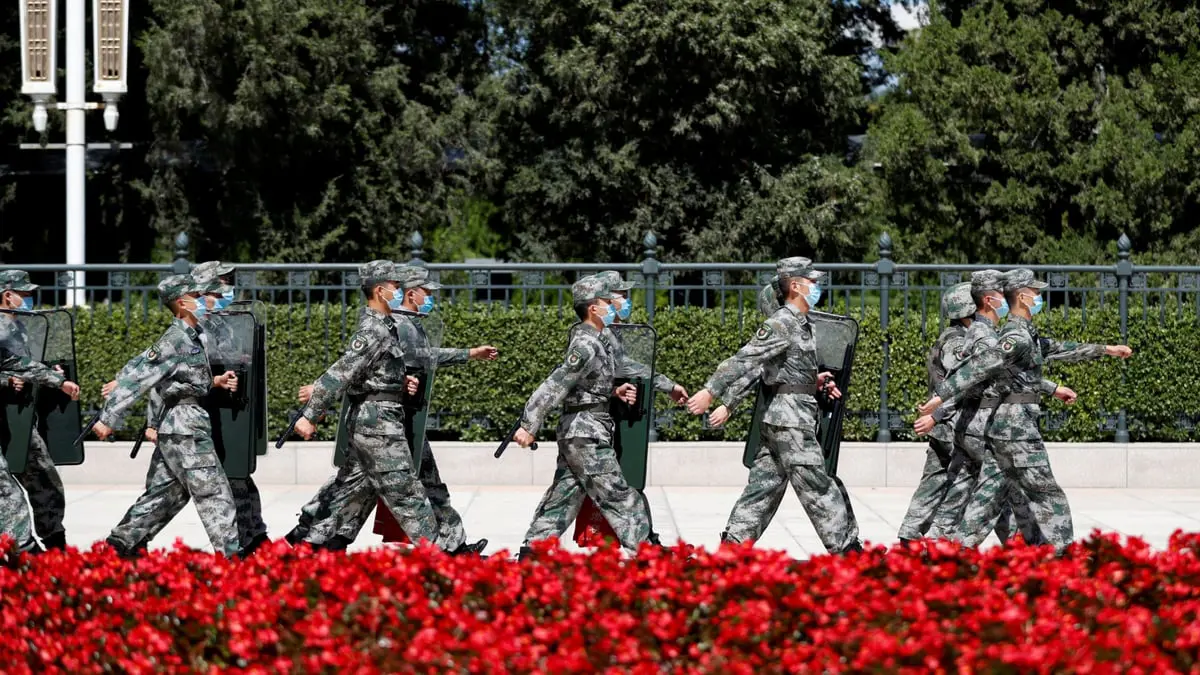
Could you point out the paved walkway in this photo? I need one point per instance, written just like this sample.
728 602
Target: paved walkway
695 514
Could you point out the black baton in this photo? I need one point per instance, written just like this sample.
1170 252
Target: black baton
87 430
137 444
287 433
508 439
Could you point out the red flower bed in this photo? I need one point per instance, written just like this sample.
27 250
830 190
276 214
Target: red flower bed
1105 608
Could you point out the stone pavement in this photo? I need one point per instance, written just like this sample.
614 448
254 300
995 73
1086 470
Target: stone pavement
695 514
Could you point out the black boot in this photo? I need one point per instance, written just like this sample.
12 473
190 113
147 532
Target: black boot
526 553
338 543
471 549
249 549
296 536
123 551
654 539
856 547
726 539
57 540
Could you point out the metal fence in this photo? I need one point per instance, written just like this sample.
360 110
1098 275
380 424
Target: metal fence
886 289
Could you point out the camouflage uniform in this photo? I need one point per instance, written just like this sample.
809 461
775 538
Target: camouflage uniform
378 460
783 356
1015 364
184 464
40 478
219 341
14 512
587 463
418 354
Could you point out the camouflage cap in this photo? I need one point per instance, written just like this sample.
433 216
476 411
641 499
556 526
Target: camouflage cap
16 280
768 297
590 288
415 276
957 302
614 281
377 272
1022 278
797 267
176 286
987 280
209 274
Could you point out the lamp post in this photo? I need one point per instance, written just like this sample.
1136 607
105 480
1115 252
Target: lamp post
110 53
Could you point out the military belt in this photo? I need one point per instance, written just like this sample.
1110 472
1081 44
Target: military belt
188 400
377 396
590 408
809 389
1022 398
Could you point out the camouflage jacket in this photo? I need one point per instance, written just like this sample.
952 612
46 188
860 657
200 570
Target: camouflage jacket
628 367
13 336
944 359
372 363
217 338
585 378
1025 353
25 368
177 369
783 351
418 353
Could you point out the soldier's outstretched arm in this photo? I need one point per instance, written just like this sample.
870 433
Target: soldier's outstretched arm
1070 351
355 362
979 368
450 356
770 341
139 376
29 370
553 391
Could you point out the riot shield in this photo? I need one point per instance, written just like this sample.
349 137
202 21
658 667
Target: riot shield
236 429
259 310
836 337
59 418
23 334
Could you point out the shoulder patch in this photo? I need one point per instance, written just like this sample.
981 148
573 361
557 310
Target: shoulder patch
358 343
152 354
575 357
1008 344
764 331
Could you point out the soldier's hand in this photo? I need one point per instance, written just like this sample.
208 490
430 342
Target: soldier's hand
1066 395
151 435
71 389
305 393
699 402
929 406
826 384
523 438
227 380
17 383
411 384
59 370
627 393
923 425
484 353
719 416
679 394
107 389
102 431
305 428
1119 351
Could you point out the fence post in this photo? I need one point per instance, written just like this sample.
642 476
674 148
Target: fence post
417 242
1124 273
182 265
884 268
650 267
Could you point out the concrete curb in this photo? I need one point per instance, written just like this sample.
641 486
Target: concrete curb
1076 465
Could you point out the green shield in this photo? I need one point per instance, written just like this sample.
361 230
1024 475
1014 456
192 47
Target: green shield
836 337
60 419
23 334
237 428
634 352
259 310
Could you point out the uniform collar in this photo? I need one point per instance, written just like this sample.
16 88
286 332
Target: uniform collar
1019 319
193 333
979 318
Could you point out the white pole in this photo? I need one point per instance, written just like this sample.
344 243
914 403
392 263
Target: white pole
76 147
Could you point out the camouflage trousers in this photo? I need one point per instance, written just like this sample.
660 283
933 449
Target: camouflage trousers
182 468
45 489
792 455
376 467
323 517
935 479
970 461
589 467
1021 467
14 512
247 503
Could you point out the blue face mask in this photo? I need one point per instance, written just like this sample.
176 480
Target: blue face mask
1002 310
814 295
201 308
27 304
426 305
626 309
396 302
610 315
1037 305
225 301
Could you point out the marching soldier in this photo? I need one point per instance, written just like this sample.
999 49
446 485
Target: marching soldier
184 464
40 478
587 463
1014 363
783 356
379 463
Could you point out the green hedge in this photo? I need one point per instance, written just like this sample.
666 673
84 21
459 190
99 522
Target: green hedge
478 399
